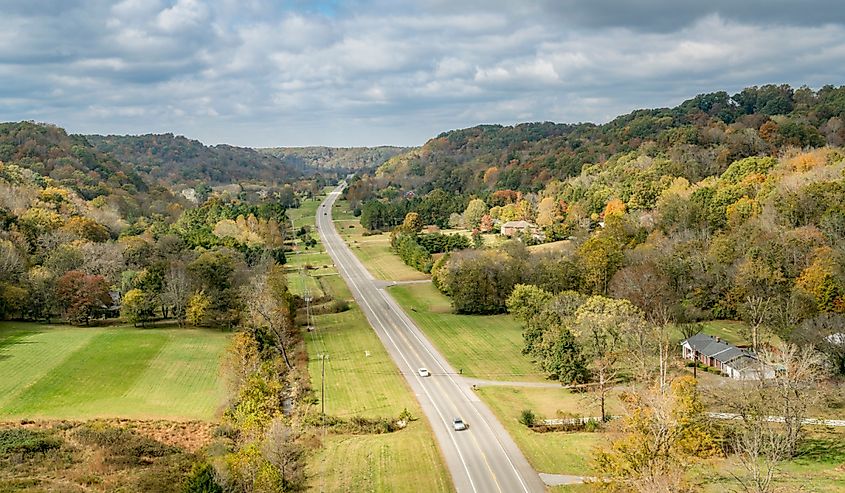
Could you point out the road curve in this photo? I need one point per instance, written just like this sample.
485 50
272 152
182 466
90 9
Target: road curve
482 459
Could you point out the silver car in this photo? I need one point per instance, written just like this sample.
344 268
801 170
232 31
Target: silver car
459 424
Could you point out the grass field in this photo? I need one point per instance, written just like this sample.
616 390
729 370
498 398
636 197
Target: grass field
483 346
374 250
403 461
556 452
361 379
80 373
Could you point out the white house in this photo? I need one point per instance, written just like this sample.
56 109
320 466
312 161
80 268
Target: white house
732 361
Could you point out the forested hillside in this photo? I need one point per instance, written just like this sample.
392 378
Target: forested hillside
180 161
39 156
344 158
700 137
83 235
724 207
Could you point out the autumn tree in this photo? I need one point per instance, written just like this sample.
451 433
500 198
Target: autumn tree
82 296
137 307
413 223
793 387
177 290
196 311
663 434
267 303
547 212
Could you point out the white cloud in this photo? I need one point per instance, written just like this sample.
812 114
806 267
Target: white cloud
184 14
262 72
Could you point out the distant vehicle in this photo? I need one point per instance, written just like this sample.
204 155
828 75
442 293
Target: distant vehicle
424 372
459 424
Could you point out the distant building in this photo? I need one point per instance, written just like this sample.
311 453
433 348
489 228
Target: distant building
512 228
732 361
190 194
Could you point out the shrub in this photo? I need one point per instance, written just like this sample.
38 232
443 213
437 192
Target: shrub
124 446
592 425
201 479
527 418
21 440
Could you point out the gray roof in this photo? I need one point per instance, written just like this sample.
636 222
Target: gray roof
715 348
745 362
518 224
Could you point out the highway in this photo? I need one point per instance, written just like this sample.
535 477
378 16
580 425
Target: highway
481 459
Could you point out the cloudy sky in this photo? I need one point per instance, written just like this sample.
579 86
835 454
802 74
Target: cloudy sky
295 72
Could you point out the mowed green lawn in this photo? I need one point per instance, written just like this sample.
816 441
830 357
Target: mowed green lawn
373 250
554 452
483 346
54 371
361 379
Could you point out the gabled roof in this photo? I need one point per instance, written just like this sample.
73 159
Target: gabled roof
745 362
715 348
517 224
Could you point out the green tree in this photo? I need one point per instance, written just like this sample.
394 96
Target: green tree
601 325
476 209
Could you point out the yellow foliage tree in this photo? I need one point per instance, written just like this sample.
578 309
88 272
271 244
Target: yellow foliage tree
614 207
663 435
547 212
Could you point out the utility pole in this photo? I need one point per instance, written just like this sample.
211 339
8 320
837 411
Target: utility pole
323 383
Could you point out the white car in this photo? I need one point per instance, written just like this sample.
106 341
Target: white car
459 424
424 372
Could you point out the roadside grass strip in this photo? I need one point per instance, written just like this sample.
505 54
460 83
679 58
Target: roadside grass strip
483 346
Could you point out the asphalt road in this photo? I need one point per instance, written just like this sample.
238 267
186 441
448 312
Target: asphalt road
482 458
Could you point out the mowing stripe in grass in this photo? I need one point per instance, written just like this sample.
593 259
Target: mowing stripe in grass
92 378
183 378
25 360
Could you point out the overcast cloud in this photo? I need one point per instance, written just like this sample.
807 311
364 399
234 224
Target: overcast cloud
270 73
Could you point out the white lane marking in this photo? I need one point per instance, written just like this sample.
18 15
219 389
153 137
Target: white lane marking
448 397
403 316
386 333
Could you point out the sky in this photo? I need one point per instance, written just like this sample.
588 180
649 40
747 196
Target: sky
264 73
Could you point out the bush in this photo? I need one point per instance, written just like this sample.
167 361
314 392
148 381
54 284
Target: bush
201 479
411 252
592 425
124 446
24 441
527 418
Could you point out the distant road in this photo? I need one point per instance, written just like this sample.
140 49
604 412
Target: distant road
482 459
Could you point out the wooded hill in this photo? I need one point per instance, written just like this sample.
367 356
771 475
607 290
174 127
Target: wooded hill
42 155
183 162
723 207
701 136
343 158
